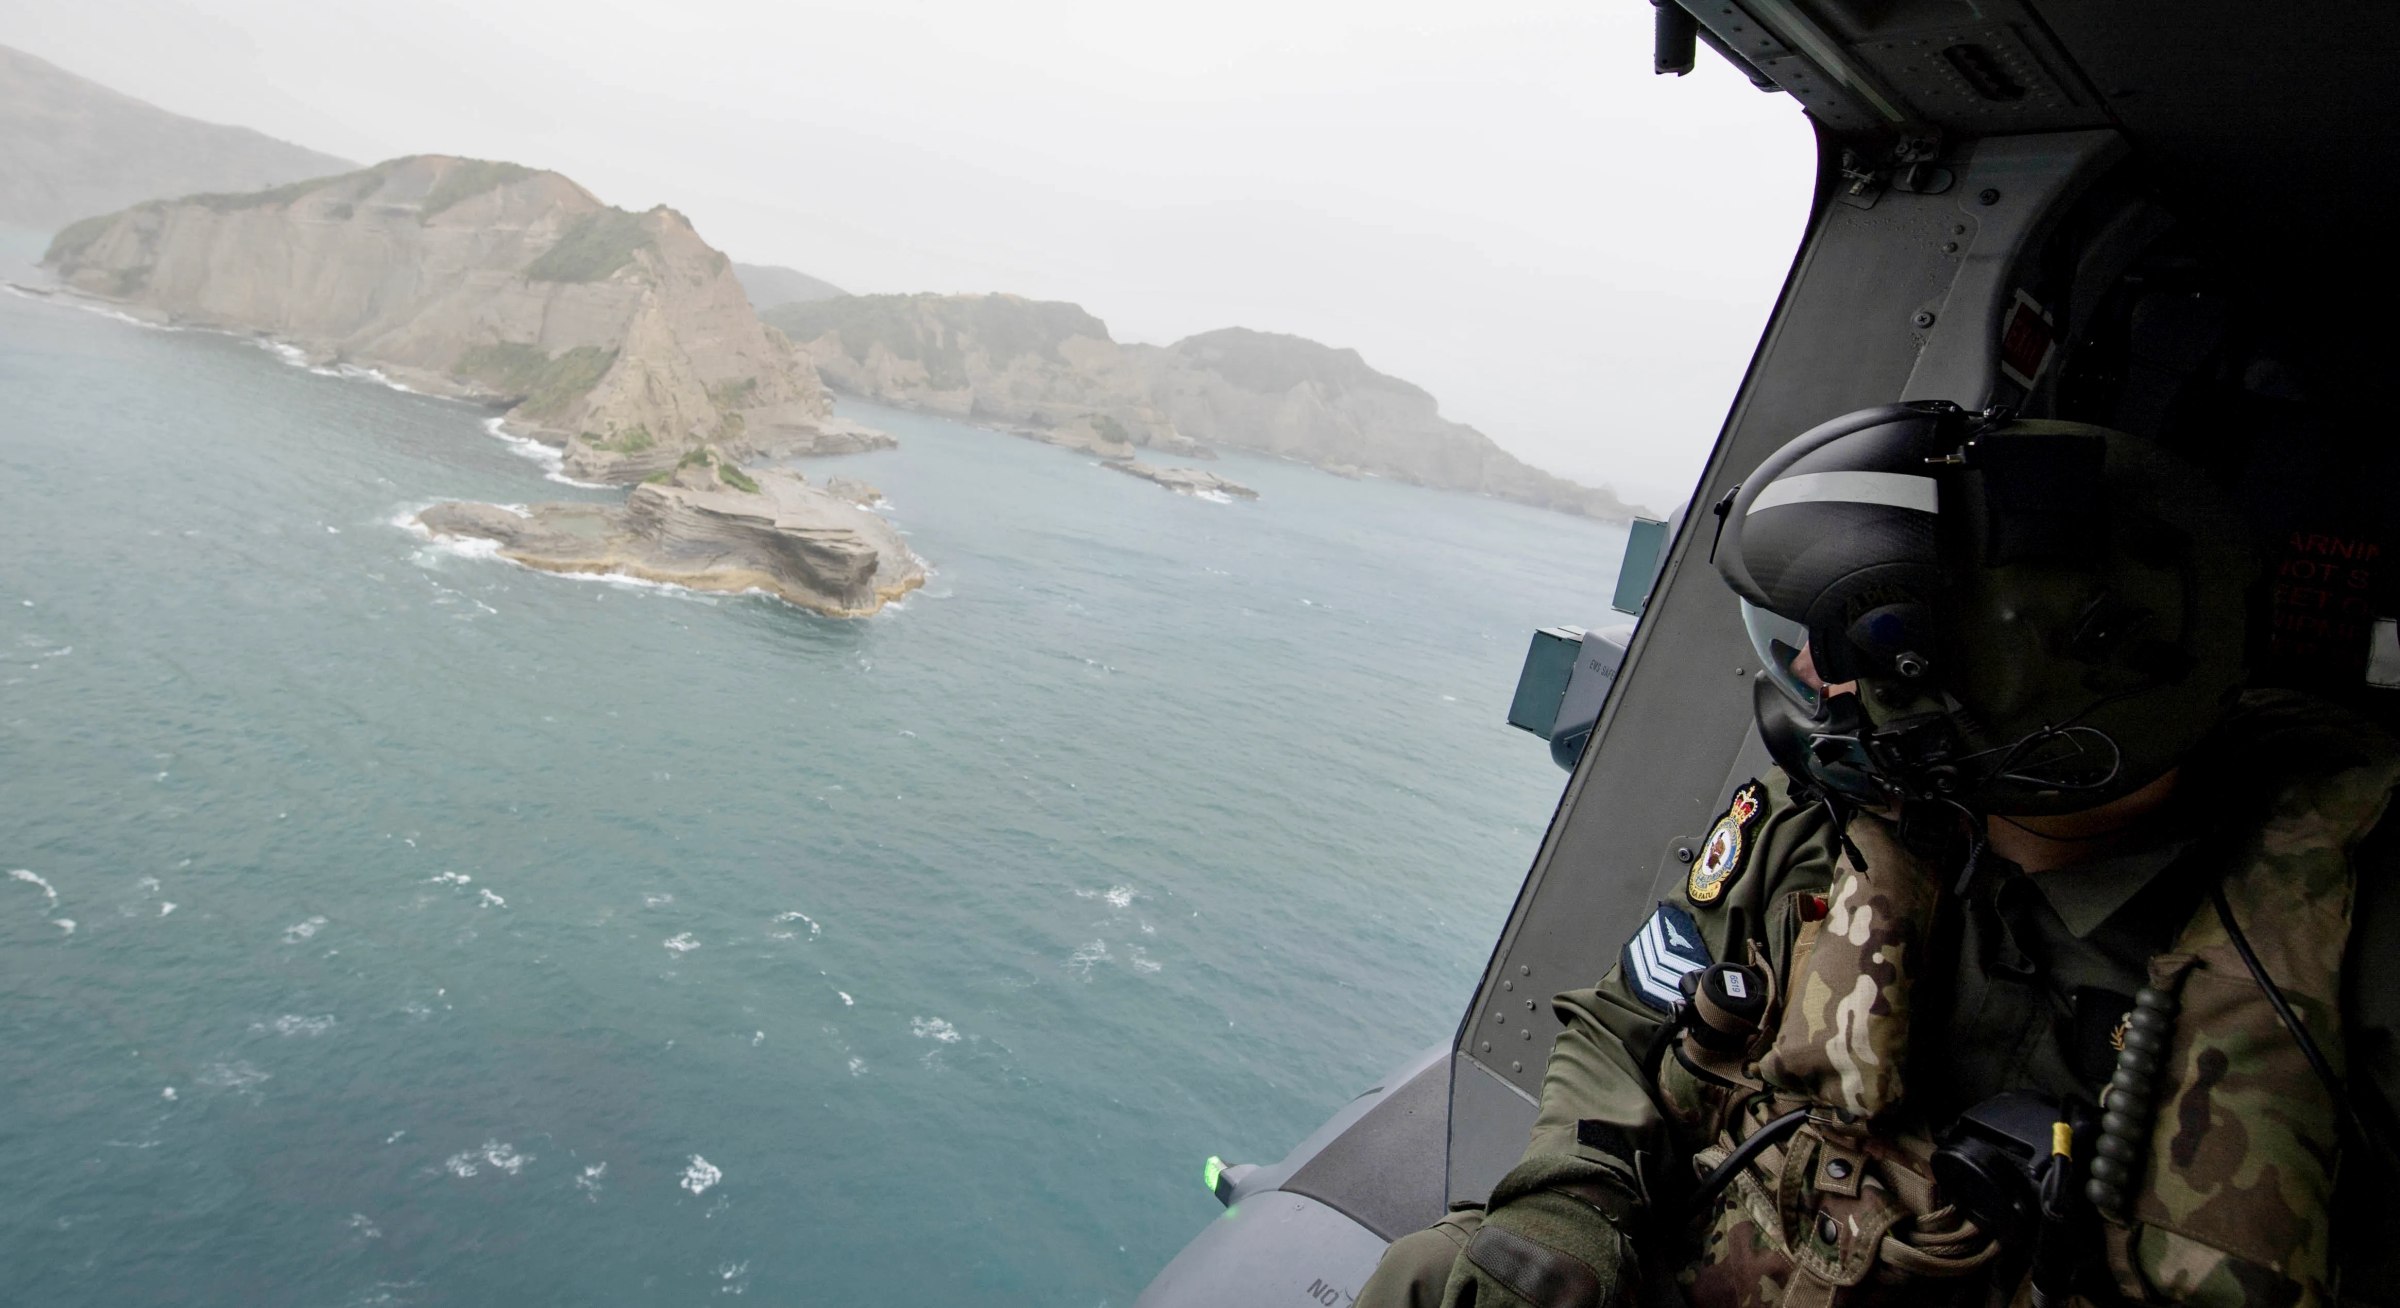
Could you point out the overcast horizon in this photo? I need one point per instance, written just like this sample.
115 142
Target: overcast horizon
1574 256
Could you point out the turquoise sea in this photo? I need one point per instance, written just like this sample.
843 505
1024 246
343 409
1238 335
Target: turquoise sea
380 925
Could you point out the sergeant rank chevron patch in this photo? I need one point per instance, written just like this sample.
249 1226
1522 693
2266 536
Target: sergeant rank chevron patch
1667 949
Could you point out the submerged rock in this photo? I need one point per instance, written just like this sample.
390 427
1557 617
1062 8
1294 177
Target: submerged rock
709 525
1184 481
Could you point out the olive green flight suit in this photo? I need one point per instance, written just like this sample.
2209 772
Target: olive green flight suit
2041 960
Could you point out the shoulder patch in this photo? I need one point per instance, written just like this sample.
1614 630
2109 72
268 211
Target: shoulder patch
1727 848
1667 949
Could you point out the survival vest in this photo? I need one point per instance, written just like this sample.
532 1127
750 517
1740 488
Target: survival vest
2239 1159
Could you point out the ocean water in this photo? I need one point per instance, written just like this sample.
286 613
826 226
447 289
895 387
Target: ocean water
381 924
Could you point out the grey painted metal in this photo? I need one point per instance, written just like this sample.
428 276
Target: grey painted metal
1385 1170
1315 1221
2034 176
1268 1176
1490 1115
1678 722
1274 1250
1596 662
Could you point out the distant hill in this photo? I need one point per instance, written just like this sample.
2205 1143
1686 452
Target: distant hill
621 338
1054 367
770 286
71 148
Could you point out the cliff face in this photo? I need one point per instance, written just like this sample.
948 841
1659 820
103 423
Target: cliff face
1053 368
994 358
70 148
620 336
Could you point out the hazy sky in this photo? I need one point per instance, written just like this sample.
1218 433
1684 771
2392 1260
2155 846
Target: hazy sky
1498 202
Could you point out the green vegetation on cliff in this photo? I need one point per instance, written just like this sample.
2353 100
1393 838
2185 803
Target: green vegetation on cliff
76 237
235 201
632 440
546 385
595 245
467 179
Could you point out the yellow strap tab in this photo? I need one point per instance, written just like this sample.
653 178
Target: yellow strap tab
2062 1139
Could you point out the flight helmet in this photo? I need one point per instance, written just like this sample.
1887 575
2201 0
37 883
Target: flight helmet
2019 617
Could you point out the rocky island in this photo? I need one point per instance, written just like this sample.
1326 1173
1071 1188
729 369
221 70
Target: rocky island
707 524
621 339
1051 371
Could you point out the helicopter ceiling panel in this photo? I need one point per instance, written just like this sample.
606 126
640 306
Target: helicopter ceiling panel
1981 80
1909 65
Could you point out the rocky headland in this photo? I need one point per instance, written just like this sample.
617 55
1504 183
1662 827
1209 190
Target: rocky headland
1046 367
707 524
622 339
1051 371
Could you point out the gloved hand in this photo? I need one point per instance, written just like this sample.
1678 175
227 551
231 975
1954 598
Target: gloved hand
1554 1238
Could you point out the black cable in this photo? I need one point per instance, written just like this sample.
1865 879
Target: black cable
2342 1103
1761 1140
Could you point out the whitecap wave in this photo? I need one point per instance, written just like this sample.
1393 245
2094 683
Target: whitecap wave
1086 957
495 1154
491 900
299 931
681 942
699 1175
296 1024
237 1075
449 878
552 458
795 915
847 1001
934 1029
34 879
589 1182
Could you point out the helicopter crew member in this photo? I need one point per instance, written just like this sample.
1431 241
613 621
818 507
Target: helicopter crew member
2050 968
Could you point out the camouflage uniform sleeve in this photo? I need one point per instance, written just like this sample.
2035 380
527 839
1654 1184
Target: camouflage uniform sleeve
1596 1074
2365 1206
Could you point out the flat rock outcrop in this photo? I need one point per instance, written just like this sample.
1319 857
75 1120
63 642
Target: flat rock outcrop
1185 481
1050 371
621 338
707 524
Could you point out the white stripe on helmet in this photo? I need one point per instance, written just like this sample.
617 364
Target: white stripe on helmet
1896 490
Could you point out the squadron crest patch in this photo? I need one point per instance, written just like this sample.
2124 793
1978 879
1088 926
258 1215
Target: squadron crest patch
1727 847
1667 949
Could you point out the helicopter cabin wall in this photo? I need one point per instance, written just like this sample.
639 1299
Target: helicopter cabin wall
1895 294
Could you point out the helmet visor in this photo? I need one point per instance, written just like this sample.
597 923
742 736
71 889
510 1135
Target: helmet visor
1779 642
